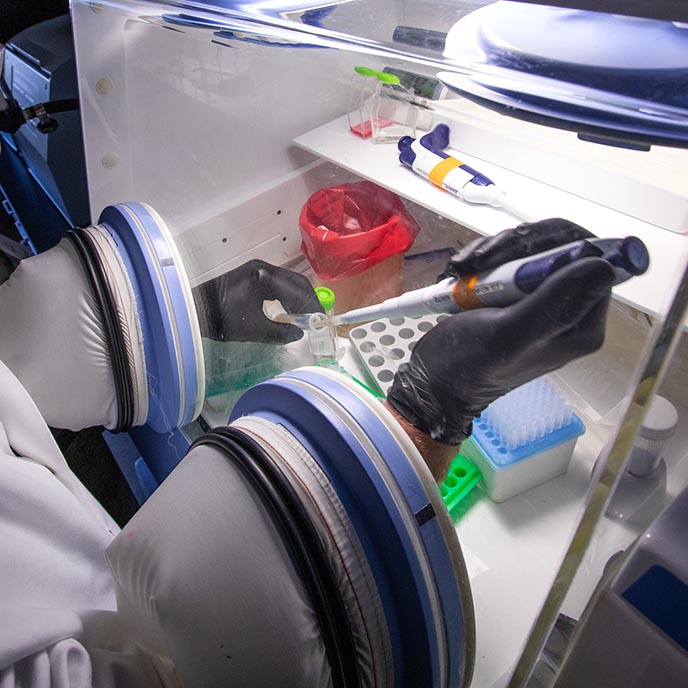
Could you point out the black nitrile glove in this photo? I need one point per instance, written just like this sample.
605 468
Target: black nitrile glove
230 307
487 253
467 361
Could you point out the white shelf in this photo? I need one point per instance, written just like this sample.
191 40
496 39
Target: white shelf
379 163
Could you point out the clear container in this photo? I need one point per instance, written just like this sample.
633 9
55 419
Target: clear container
394 115
380 107
363 89
323 340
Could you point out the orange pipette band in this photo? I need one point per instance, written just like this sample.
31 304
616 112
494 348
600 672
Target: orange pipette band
463 293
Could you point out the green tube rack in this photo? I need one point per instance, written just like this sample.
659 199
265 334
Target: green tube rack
462 477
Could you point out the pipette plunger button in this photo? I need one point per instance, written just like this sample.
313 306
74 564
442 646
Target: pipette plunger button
636 258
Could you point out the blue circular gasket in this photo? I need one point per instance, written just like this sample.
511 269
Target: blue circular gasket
376 518
168 341
575 70
417 499
632 129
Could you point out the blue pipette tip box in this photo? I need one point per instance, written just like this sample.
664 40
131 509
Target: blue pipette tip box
508 470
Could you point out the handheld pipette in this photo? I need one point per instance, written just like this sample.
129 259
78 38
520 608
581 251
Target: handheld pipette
427 158
505 284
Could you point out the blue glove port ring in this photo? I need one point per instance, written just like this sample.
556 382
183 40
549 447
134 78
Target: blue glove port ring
171 336
405 532
577 70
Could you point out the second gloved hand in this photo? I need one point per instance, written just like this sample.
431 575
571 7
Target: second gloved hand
469 360
230 307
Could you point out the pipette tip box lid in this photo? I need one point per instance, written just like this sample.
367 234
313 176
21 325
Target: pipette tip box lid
527 438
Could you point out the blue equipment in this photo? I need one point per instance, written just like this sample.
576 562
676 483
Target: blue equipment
396 511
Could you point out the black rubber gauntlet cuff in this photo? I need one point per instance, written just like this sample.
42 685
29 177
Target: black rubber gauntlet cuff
412 397
208 310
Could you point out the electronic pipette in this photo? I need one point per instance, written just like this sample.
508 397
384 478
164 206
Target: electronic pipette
505 284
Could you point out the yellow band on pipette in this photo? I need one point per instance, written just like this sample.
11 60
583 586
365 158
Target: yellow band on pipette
442 169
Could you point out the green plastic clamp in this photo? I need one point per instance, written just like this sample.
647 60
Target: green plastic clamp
385 77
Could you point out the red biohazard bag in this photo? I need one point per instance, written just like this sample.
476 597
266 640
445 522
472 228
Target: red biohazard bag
348 229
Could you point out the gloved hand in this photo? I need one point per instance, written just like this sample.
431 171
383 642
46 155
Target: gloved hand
469 360
230 307
487 253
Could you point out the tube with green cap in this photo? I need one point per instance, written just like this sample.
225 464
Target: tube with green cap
323 339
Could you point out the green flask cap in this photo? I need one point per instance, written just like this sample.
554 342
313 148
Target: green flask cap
326 298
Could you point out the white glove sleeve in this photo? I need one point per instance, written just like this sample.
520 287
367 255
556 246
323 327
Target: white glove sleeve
53 339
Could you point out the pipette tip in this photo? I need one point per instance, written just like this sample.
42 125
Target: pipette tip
306 321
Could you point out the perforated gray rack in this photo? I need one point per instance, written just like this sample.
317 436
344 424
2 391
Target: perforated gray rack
385 345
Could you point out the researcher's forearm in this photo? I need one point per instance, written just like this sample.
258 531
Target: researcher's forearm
437 456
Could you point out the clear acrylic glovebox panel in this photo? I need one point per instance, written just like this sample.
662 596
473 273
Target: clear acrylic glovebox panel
227 117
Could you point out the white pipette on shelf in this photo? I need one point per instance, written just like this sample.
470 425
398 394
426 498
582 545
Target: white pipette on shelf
426 157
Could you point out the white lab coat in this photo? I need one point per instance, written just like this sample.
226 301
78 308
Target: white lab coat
57 622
